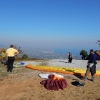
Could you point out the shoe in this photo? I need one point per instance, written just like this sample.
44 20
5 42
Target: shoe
92 80
7 70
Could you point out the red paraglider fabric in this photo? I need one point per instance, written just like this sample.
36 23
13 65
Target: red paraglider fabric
53 83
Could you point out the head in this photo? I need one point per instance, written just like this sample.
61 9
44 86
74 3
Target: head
91 51
11 46
4 51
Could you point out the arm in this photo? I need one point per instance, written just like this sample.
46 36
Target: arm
6 56
87 58
98 53
16 53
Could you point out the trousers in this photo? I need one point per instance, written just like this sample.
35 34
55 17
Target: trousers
10 64
87 73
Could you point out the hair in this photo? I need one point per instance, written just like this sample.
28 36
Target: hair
11 46
91 50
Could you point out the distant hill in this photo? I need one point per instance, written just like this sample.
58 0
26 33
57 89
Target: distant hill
47 54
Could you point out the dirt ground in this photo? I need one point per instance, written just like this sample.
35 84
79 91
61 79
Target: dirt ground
24 84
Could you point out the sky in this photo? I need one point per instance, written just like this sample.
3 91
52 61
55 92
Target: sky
51 24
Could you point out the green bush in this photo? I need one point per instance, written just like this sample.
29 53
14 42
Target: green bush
24 56
84 54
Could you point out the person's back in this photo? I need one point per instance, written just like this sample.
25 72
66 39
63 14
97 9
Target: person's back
11 53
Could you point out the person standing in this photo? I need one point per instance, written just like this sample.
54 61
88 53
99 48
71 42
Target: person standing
91 65
10 56
70 57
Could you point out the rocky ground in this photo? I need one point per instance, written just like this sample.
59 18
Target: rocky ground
24 84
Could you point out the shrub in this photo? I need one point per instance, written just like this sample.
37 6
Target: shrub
25 56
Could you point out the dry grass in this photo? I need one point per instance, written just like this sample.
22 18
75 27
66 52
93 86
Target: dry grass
3 72
24 84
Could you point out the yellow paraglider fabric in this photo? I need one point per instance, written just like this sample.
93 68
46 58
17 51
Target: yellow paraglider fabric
57 69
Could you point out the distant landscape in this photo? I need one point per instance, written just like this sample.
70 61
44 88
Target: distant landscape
47 53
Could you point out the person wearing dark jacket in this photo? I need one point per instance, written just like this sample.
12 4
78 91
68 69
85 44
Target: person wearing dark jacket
70 57
91 65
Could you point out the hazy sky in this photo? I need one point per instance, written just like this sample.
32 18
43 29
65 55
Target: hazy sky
73 24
